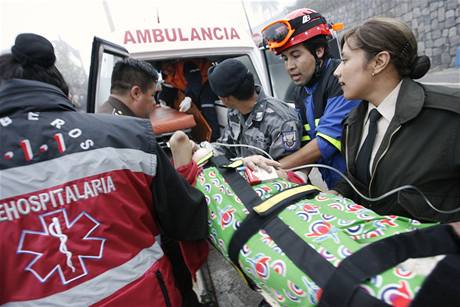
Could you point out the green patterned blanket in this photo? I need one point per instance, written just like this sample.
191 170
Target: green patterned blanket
334 226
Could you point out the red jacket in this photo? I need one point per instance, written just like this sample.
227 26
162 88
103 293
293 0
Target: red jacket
84 200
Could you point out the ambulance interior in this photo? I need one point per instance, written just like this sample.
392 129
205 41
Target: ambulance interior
221 110
166 118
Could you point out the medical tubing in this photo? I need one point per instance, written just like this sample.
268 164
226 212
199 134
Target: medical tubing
371 199
374 199
244 145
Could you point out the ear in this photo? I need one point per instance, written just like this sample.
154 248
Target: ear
381 61
135 92
320 52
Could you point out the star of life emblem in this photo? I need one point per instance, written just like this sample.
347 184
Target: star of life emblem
62 247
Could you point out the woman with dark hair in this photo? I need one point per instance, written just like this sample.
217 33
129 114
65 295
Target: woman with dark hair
407 133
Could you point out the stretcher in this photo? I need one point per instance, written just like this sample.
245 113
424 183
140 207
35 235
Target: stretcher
307 248
165 121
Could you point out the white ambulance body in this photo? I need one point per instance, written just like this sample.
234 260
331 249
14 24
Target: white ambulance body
173 30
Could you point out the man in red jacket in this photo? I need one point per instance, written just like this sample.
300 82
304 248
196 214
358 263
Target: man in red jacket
84 198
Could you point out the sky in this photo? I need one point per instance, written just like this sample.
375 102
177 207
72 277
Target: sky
78 21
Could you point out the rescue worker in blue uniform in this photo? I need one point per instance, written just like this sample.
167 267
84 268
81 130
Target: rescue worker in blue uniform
254 118
301 39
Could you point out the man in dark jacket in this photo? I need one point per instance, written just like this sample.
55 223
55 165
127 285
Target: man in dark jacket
84 198
254 118
132 90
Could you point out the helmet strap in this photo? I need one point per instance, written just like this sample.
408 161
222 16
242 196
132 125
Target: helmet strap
317 72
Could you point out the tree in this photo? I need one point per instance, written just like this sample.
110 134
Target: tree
70 64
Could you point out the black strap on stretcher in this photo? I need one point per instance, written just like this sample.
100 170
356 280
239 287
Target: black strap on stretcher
245 192
382 255
441 287
261 212
341 285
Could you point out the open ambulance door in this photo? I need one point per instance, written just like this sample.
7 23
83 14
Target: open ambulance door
104 55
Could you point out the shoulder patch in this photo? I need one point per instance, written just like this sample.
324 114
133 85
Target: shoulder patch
289 136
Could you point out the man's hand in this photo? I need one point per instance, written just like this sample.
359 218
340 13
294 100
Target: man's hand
185 104
256 161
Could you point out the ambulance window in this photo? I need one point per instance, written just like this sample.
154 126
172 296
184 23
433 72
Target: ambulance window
247 61
279 78
103 91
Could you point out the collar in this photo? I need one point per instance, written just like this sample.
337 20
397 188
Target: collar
410 101
27 96
387 107
120 108
312 84
258 112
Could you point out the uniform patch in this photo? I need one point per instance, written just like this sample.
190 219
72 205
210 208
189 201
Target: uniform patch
290 140
62 246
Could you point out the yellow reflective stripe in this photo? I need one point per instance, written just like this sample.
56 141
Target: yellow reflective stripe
336 143
274 200
307 126
306 138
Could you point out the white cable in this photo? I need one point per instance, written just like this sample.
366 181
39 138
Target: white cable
374 199
371 199
244 145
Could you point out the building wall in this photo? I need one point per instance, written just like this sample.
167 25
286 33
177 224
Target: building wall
436 23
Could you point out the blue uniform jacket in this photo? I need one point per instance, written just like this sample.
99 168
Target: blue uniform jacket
327 127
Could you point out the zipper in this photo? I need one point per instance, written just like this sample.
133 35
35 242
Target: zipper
380 158
164 290
346 149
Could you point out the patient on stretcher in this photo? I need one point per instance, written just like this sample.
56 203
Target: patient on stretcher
322 249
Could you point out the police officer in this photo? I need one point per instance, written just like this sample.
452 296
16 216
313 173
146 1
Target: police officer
254 118
301 38
132 90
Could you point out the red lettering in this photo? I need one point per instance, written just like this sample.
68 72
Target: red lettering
181 37
143 38
195 35
173 36
158 36
129 38
206 33
216 35
234 34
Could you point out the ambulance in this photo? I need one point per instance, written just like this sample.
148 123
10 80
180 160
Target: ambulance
176 31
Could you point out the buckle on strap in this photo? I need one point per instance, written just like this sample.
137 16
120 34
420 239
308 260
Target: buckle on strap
289 195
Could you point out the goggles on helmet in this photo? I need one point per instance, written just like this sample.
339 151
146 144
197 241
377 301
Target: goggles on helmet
277 33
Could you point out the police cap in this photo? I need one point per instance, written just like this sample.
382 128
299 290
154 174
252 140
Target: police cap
226 77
